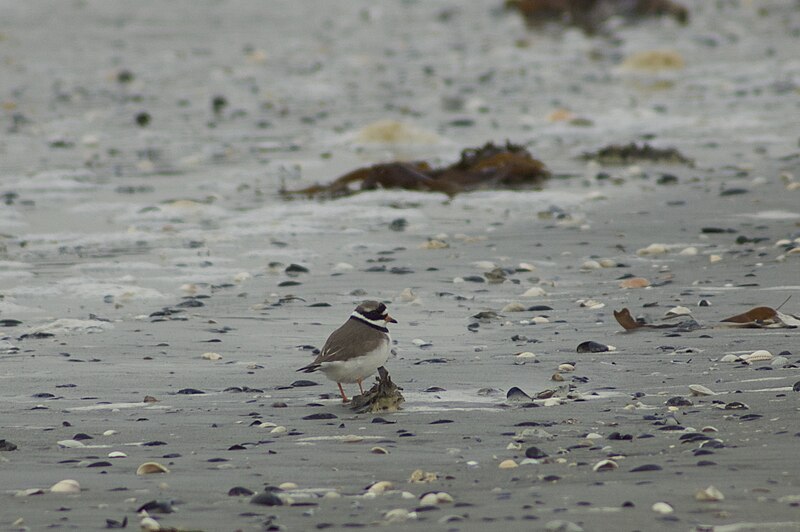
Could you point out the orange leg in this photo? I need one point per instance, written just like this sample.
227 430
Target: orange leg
359 386
341 390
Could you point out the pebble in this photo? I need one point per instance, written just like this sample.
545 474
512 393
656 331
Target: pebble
594 347
566 367
149 468
591 265
508 464
662 508
266 498
634 282
514 307
710 493
66 486
211 356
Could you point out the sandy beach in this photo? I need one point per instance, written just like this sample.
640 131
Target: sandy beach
157 293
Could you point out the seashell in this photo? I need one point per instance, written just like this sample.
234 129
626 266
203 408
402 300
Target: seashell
560 525
419 342
288 486
109 432
418 476
525 267
380 487
241 277
70 444
730 358
66 486
552 401
148 524
379 450
280 429
779 361
709 428
526 355
117 454
709 494
662 508
399 515
757 356
605 465
700 390
407 296
534 291
149 468
515 395
332 495
434 498
591 304
352 438
508 464
211 356
591 265
514 307
594 436
608 263
593 347
343 267
557 377
678 311
691 251
538 320
513 446
434 243
652 249
28 492
566 367
714 258
635 282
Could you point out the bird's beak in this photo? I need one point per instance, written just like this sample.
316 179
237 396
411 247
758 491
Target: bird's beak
389 319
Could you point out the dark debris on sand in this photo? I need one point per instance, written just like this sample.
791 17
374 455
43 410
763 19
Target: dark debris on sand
488 167
591 15
384 396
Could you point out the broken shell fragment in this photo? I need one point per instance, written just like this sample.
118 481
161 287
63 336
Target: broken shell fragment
508 464
149 468
700 390
662 508
380 487
211 356
710 493
757 356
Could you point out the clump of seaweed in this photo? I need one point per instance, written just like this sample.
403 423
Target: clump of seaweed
384 396
488 167
632 153
591 15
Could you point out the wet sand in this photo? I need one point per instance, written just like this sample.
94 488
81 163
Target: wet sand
170 241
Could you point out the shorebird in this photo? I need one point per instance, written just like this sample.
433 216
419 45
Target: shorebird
357 349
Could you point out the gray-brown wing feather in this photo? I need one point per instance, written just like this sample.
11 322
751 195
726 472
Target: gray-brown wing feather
350 340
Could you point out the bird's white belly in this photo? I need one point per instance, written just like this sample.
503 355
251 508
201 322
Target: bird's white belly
358 368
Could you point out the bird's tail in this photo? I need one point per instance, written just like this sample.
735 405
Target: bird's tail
311 368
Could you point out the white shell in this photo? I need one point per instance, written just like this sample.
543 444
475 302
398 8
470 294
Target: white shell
534 291
605 465
700 390
678 311
117 454
399 515
662 508
514 307
70 444
757 356
211 356
380 487
730 358
691 251
714 258
566 367
709 494
652 249
66 486
149 468
508 464
148 524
